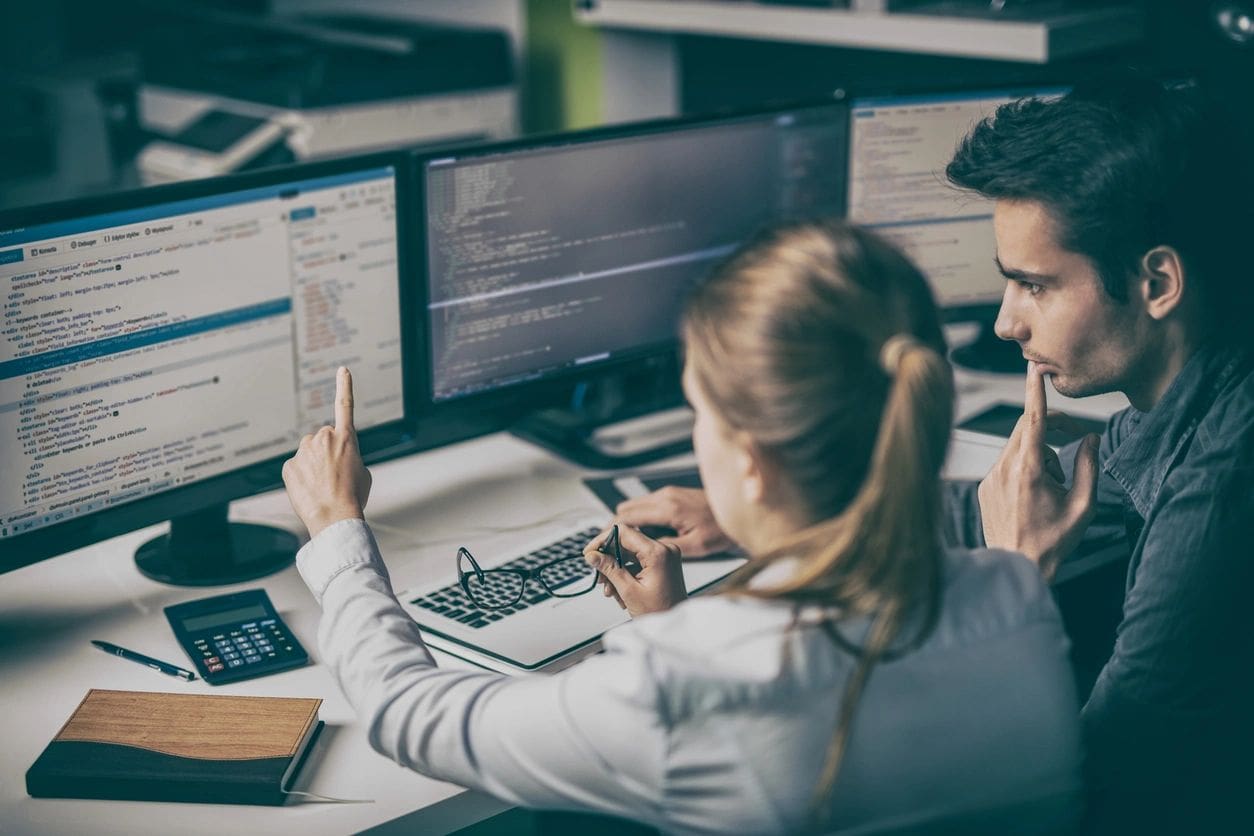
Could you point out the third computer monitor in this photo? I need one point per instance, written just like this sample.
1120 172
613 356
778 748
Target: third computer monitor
554 257
899 146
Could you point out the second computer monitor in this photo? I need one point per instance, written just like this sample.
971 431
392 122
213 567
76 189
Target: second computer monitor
899 146
553 256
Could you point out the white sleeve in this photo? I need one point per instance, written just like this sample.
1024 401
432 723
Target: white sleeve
590 738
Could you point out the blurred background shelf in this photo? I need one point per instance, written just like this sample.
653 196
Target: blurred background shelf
1037 33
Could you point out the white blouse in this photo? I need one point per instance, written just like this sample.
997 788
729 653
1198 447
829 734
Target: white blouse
716 716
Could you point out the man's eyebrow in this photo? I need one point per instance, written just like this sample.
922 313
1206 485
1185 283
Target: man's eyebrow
1019 275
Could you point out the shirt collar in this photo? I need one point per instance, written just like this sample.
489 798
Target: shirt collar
1142 461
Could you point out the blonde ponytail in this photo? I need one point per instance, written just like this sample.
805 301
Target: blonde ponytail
897 515
822 343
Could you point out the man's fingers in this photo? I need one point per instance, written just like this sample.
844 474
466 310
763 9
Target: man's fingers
1052 466
343 400
1034 409
1055 420
1084 486
642 510
689 544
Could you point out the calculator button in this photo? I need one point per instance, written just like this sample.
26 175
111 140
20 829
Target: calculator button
252 625
215 667
249 652
234 663
251 659
231 655
235 633
212 660
267 622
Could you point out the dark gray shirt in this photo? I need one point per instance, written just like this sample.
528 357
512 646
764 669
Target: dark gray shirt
1167 725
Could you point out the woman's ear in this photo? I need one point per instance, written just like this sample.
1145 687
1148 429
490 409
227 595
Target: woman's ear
1162 281
756 474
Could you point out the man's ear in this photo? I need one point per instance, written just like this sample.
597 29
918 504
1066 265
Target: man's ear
1162 281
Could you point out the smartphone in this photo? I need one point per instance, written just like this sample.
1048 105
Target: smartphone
1000 419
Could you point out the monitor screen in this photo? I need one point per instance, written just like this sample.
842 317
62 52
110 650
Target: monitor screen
556 256
149 348
898 149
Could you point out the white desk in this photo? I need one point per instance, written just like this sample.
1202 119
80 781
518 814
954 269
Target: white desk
422 508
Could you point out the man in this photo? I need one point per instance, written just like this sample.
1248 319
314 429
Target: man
1121 212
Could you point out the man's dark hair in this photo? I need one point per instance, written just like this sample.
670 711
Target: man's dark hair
1122 165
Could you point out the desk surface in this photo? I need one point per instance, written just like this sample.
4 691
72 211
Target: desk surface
480 493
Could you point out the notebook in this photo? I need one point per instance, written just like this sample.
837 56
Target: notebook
148 746
544 633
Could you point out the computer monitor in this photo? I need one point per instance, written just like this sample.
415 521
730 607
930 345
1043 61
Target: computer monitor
163 351
899 146
567 258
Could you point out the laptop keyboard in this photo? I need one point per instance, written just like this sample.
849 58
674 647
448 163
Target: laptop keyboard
451 601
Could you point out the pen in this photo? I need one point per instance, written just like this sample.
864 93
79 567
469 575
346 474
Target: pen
155 664
630 566
605 547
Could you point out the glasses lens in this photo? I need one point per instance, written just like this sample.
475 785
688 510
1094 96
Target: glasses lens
568 578
494 590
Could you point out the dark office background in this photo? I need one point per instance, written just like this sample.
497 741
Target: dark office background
68 70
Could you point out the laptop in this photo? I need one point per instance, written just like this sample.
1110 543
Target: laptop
543 632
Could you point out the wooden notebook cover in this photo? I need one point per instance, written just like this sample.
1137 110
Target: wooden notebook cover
205 726
177 747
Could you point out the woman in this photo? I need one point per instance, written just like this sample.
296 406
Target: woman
851 674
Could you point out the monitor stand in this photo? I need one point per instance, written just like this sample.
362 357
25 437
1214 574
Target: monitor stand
990 353
205 549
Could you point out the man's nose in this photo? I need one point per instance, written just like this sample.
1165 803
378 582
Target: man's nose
1010 325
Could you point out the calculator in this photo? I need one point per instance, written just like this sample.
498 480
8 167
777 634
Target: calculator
236 636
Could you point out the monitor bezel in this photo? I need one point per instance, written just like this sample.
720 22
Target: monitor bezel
379 443
446 420
967 311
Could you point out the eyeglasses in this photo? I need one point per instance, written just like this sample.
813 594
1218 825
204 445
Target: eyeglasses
565 577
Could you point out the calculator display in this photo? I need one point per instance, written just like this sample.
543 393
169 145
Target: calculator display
217 619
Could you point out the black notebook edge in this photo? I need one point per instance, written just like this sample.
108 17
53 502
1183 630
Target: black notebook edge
64 770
